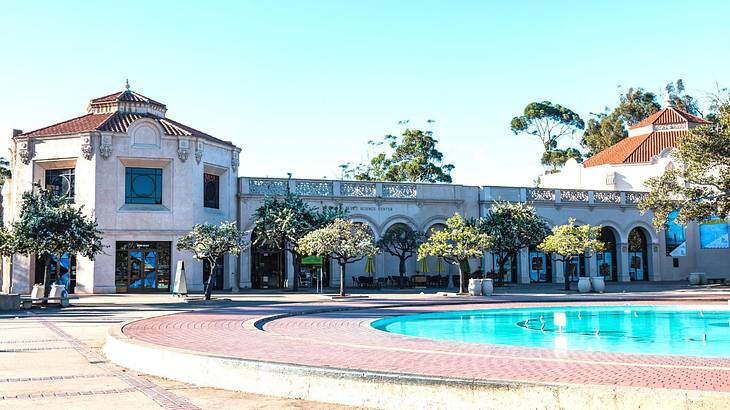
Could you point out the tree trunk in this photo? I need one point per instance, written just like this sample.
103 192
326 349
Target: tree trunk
342 277
566 263
208 287
462 283
46 285
501 261
402 271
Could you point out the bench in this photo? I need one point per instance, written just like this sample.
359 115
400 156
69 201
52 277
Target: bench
720 281
27 302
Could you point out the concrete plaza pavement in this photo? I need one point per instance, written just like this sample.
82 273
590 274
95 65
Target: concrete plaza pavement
52 356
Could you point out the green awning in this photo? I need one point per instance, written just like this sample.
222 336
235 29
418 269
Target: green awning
312 260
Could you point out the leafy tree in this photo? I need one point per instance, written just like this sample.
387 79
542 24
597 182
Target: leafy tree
402 242
414 158
698 185
549 122
512 227
679 99
281 223
570 241
456 243
48 225
342 240
210 242
611 126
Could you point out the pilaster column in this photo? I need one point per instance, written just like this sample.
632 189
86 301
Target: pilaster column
623 269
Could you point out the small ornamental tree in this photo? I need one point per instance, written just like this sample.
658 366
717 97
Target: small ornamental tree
456 243
512 227
280 223
342 240
698 185
48 225
402 242
210 242
570 241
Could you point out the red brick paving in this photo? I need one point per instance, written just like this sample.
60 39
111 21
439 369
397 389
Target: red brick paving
345 339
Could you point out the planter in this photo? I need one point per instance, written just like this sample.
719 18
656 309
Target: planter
57 291
9 301
37 292
475 287
487 287
584 284
697 278
598 284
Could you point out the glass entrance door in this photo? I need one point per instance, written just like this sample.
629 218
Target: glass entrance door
142 269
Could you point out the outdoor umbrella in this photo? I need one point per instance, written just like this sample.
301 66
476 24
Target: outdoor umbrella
423 265
370 266
440 265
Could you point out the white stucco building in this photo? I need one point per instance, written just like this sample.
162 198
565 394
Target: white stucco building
148 179
145 177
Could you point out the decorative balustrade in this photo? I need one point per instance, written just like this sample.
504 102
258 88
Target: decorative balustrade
358 189
573 195
606 197
540 194
362 189
399 191
267 186
635 197
313 188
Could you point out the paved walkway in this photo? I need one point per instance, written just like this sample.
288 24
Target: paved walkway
51 358
344 339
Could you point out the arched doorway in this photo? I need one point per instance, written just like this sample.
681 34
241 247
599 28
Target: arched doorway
268 266
510 267
638 255
398 256
608 259
438 265
541 269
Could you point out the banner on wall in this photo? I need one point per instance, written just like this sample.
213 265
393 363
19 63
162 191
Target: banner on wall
714 234
675 236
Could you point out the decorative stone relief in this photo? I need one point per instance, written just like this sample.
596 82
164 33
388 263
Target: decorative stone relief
198 151
357 189
399 191
607 197
573 195
25 151
234 160
313 188
540 194
183 149
105 146
267 187
87 150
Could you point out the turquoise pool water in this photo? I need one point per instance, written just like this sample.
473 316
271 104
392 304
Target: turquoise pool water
664 330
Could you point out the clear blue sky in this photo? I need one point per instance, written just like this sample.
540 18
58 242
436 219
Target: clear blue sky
302 85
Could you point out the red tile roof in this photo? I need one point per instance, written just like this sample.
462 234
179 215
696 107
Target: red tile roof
670 116
125 96
637 149
84 123
117 122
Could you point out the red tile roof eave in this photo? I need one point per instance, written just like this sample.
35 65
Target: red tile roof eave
41 132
